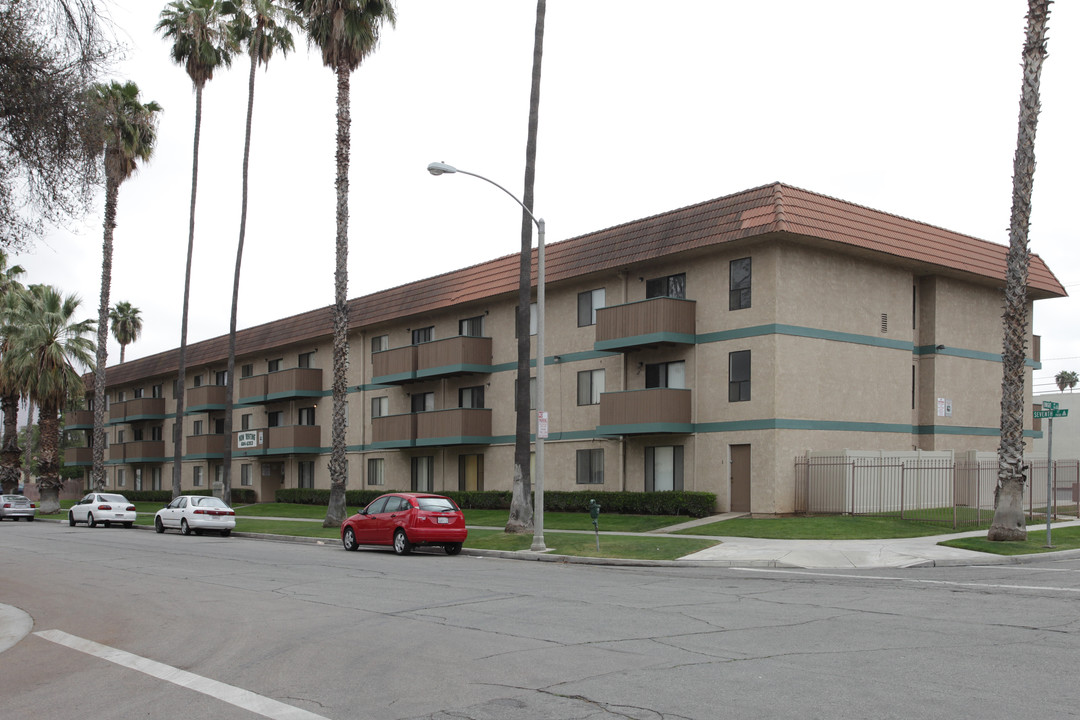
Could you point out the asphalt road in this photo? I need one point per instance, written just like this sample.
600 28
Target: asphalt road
131 624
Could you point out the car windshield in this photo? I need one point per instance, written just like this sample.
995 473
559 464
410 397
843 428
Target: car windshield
437 504
112 498
208 502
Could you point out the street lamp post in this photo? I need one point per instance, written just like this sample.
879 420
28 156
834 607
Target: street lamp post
438 168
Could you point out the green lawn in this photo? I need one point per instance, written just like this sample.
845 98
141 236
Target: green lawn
821 527
611 546
578 521
1062 539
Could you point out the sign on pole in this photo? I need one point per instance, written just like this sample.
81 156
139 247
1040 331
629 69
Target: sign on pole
1038 414
1049 405
542 424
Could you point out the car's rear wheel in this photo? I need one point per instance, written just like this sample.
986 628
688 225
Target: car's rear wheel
402 546
225 533
71 519
158 526
107 524
452 548
184 529
90 522
348 539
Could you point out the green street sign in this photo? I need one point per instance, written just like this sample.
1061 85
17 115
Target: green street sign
1048 405
1050 414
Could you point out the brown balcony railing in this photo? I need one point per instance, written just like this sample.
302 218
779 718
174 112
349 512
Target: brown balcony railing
137 409
78 419
138 451
453 356
456 426
79 456
207 397
394 430
655 410
251 387
394 366
648 322
295 438
282 385
204 445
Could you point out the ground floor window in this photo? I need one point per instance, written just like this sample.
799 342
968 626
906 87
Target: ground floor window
423 473
245 475
590 466
470 472
120 480
375 471
196 476
155 478
663 468
305 474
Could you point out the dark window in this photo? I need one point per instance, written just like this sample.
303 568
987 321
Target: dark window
219 426
590 467
307 416
671 286
423 335
375 471
245 421
423 402
221 377
666 375
196 429
739 376
423 473
136 434
138 393
198 381
380 343
305 474
155 391
247 370
471 327
155 433
471 397
739 284
588 303
590 383
663 468
273 419
273 365
304 360
380 406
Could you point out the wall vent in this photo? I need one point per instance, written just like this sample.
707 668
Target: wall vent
884 322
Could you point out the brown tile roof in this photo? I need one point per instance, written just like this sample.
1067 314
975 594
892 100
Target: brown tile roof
769 209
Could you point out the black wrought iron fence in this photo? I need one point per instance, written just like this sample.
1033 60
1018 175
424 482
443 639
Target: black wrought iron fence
958 493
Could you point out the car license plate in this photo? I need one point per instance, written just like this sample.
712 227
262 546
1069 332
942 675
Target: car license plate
442 520
119 514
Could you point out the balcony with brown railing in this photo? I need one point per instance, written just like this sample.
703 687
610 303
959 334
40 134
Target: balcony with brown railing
394 431
79 420
204 446
137 410
639 412
79 456
657 321
204 398
459 355
454 426
137 451
281 385
395 366
281 440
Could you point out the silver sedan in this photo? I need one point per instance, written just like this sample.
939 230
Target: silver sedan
16 506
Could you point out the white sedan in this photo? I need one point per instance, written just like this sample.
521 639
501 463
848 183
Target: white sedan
104 508
196 513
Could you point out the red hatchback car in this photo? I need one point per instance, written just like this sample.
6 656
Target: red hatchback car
405 520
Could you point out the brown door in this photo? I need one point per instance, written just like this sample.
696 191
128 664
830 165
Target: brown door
740 478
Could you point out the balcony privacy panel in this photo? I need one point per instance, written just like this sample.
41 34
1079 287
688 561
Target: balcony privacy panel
453 355
394 428
293 381
394 365
252 387
456 424
645 407
75 418
294 436
205 395
646 322
79 456
205 445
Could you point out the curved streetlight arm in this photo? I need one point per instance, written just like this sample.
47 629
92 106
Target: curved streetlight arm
438 168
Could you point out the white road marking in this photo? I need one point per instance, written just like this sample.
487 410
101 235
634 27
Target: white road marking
917 581
227 693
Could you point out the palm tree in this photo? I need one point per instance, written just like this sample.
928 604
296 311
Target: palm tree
521 511
1066 379
201 45
1008 522
10 390
263 25
346 31
126 322
47 344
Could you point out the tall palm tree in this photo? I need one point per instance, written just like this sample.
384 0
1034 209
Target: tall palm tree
201 44
48 344
263 26
128 130
1066 379
1008 522
126 322
10 389
346 31
520 519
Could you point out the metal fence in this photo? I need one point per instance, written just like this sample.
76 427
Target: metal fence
958 493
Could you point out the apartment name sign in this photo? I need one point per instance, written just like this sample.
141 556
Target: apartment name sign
247 439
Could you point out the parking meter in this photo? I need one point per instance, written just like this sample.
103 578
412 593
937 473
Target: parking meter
594 513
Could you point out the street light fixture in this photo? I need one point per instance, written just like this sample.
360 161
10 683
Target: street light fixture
439 168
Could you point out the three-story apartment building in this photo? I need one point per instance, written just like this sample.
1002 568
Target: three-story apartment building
701 349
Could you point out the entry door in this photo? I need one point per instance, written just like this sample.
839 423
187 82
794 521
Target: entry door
740 478
470 472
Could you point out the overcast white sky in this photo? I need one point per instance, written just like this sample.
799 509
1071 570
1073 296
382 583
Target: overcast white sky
904 106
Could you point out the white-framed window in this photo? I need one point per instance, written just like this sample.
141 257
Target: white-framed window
380 406
155 478
197 427
245 475
590 383
196 476
588 303
121 480
375 471
245 421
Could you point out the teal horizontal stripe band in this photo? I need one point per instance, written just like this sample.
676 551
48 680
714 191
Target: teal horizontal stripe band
456 440
203 408
648 339
645 429
452 370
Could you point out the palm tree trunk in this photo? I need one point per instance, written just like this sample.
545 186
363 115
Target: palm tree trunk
112 192
123 346
1008 522
335 510
29 441
12 454
178 433
226 474
49 482
521 511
